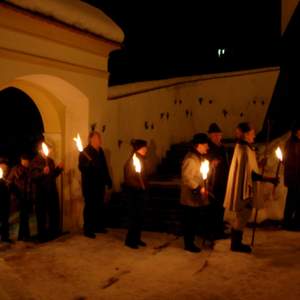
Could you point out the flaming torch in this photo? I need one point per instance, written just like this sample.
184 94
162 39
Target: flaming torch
45 150
204 169
1 173
138 168
279 155
80 147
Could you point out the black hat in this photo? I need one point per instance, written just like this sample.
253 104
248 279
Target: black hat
200 138
214 127
3 160
244 127
138 144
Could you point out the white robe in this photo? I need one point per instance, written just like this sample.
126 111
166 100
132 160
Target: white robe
240 186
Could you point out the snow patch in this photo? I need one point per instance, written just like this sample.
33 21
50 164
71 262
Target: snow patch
76 14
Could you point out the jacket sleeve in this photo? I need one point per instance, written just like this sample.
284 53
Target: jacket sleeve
108 180
84 163
11 180
36 171
57 171
191 174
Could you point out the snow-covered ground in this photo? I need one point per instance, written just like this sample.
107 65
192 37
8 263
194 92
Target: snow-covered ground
75 267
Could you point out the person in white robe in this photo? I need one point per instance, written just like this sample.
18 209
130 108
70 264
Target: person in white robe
243 185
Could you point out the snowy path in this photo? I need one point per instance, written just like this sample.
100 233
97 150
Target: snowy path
78 268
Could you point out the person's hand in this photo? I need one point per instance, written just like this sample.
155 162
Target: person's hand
203 191
46 170
60 165
215 162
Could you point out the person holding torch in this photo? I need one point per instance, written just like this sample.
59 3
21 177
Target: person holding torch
95 178
43 173
135 185
242 186
194 193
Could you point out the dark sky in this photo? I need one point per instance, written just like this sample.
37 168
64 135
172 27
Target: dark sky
176 38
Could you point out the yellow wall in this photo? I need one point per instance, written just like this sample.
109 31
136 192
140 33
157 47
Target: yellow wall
287 10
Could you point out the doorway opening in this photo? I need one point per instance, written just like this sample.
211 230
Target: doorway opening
21 125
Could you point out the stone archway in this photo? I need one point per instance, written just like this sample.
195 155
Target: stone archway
21 124
64 111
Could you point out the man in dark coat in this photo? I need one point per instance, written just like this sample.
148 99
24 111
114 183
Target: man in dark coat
43 173
135 187
4 202
292 180
218 177
94 178
20 185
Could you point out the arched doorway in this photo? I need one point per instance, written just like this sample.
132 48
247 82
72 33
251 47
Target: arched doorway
21 124
63 111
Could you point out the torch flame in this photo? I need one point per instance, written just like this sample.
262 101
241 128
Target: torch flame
45 149
1 173
78 143
136 163
204 169
278 153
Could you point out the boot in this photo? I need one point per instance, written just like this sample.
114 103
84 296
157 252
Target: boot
236 242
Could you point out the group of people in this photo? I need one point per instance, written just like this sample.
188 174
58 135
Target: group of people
232 184
32 182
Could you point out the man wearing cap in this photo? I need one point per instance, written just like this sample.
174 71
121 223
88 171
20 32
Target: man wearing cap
218 178
94 178
242 187
4 201
193 194
291 219
20 184
135 185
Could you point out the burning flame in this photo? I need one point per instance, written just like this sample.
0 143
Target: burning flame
1 173
45 149
278 153
136 163
78 143
204 169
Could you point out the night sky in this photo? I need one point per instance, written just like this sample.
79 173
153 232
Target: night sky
166 39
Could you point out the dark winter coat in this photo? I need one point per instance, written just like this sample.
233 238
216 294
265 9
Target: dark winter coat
219 174
292 162
20 181
44 185
94 171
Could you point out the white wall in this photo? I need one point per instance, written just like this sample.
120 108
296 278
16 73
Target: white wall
133 104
